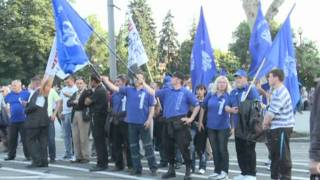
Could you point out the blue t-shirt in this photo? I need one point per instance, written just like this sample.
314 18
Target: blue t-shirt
118 102
235 99
217 117
16 107
138 104
176 102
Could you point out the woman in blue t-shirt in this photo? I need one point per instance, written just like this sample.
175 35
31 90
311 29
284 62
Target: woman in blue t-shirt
218 125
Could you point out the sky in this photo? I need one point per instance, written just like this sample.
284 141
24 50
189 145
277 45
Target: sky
222 16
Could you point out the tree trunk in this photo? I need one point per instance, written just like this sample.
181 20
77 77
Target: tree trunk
273 9
250 7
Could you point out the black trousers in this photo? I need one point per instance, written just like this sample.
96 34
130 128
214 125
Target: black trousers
181 136
37 140
120 144
99 136
219 145
14 130
279 140
246 155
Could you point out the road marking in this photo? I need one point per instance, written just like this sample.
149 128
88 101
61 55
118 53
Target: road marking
43 175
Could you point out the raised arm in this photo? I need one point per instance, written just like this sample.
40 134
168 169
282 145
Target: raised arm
110 85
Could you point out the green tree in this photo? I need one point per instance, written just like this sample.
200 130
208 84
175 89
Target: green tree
168 50
26 35
186 49
227 60
122 50
240 44
308 62
142 17
241 38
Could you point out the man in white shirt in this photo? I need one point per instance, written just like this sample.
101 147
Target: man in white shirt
65 94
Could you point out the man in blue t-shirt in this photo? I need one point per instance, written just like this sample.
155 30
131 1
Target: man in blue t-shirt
140 111
177 101
16 101
246 153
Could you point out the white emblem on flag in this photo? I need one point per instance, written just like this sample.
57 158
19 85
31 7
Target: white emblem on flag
206 61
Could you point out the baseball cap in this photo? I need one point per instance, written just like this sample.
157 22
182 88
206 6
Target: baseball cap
240 73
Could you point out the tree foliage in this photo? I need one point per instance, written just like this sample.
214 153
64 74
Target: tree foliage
186 49
26 35
308 62
168 50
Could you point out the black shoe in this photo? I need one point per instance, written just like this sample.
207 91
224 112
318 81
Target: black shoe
44 165
97 168
51 161
135 173
170 174
9 158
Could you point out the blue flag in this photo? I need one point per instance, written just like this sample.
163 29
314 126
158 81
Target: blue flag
260 42
202 66
282 56
72 35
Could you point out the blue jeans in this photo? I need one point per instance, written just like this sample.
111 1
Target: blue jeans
51 141
66 124
202 156
137 131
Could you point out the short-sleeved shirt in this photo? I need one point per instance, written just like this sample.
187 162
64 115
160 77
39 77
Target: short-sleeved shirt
70 91
217 117
118 102
53 97
138 104
176 102
236 95
281 107
16 108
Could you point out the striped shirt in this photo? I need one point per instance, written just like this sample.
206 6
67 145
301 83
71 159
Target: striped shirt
281 107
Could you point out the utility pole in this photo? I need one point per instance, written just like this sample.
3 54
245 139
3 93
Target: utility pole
112 41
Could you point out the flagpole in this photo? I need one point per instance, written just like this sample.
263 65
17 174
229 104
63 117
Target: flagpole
148 69
254 78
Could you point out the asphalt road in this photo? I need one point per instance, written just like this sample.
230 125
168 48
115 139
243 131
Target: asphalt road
65 170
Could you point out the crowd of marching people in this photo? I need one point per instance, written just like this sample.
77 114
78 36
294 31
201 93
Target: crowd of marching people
126 119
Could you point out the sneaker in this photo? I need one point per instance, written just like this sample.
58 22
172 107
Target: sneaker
213 176
247 177
222 176
201 171
239 177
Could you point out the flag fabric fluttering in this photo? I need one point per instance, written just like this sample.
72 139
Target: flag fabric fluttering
136 53
202 65
282 56
53 68
260 42
72 35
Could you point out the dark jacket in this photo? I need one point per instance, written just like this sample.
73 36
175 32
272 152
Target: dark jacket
80 106
314 151
99 101
250 121
36 116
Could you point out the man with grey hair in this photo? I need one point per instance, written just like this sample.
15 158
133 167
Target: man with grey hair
16 101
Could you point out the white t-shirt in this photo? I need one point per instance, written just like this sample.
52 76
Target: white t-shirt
69 91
